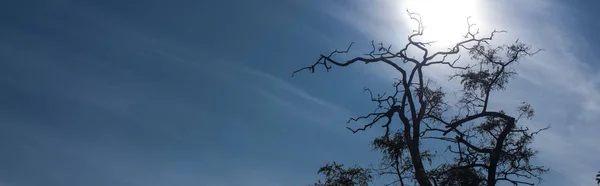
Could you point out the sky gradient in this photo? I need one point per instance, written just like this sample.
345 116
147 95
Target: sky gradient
153 93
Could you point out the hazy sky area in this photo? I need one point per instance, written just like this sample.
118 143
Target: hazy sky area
188 93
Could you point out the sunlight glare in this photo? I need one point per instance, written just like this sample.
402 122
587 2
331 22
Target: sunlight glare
445 21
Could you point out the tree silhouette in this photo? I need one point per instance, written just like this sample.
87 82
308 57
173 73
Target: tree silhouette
337 175
487 146
598 178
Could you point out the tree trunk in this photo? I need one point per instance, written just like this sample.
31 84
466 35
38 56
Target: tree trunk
495 156
415 156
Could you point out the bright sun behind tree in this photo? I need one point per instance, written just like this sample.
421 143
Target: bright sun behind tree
444 20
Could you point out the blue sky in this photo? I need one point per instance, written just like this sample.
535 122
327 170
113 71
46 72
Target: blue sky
200 93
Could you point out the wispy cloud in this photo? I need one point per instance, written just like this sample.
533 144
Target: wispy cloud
286 94
275 90
569 146
281 83
260 81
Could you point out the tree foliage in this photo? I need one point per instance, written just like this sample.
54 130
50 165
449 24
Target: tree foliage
337 175
598 178
483 146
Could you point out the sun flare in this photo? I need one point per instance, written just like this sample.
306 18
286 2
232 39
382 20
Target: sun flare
445 21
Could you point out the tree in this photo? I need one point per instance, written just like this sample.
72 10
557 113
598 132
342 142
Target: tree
488 146
336 175
598 178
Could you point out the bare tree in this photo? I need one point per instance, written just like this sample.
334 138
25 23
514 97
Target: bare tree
487 147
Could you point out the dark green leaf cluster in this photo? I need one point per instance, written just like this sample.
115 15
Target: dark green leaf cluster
337 175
